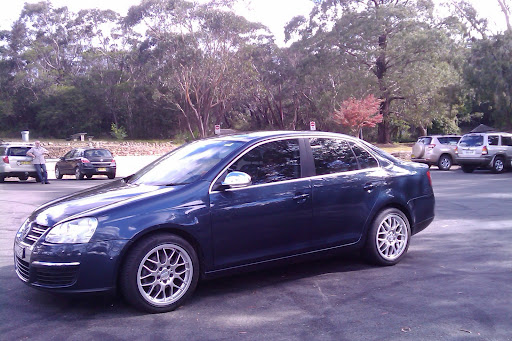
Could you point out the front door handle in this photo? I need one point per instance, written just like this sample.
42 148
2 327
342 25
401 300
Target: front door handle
369 186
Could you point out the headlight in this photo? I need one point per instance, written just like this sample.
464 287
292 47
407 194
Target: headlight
23 230
73 232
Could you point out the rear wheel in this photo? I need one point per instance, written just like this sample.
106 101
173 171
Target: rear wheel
498 165
23 178
58 174
89 176
2 178
159 273
467 169
111 175
444 162
388 238
78 174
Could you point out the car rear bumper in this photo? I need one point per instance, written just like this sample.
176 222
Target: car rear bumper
98 170
481 161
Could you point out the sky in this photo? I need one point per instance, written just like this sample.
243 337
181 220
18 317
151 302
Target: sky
272 13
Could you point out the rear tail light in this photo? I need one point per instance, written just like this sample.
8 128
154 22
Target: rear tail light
429 178
485 151
430 147
113 163
5 159
456 150
84 160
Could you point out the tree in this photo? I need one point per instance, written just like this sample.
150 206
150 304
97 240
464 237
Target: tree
357 114
388 41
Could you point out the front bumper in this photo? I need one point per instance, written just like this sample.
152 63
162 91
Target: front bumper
69 267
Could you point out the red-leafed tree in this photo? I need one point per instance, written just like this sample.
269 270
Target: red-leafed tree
358 113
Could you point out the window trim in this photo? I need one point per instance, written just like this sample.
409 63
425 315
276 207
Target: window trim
245 151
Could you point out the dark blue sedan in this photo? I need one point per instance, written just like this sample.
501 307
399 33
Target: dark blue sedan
225 204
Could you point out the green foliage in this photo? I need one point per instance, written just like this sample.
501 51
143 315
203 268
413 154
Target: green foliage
118 132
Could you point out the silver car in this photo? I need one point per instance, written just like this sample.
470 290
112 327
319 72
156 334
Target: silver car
485 150
15 162
436 150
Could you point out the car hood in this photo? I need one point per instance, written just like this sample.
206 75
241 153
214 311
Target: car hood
84 201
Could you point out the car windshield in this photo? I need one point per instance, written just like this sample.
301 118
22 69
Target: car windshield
471 141
186 164
97 153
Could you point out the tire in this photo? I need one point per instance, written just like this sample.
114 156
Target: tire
89 176
58 174
445 162
467 169
498 165
23 178
388 238
78 174
111 175
148 269
2 178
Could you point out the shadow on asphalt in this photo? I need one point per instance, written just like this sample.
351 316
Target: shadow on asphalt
44 303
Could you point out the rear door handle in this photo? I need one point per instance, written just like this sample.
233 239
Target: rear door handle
300 198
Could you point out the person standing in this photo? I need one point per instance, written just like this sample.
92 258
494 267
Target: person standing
37 153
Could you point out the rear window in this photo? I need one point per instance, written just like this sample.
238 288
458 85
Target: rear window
18 151
97 153
424 140
449 140
471 141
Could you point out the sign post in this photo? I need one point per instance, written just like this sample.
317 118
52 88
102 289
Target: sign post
217 129
312 125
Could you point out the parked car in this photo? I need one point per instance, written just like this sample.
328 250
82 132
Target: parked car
86 162
15 162
485 150
225 204
436 150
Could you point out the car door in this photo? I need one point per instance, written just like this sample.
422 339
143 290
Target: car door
506 141
65 163
346 186
268 219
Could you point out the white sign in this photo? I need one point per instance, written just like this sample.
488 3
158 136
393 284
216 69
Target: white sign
217 129
312 125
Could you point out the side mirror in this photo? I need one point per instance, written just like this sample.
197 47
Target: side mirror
61 158
236 180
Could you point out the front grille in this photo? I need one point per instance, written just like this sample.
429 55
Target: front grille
22 268
35 232
56 276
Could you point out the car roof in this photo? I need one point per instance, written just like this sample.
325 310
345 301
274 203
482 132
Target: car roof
20 144
264 135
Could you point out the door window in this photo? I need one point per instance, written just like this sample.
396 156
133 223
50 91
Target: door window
506 140
271 162
493 140
332 156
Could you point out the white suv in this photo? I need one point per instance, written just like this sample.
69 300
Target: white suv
14 161
485 150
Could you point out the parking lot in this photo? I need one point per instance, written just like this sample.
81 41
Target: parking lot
454 284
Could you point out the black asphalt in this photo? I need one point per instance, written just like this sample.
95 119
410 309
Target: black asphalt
454 284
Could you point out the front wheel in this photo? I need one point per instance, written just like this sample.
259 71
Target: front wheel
58 174
159 273
444 163
388 238
498 165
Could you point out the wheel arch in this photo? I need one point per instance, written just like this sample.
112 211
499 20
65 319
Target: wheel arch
160 230
390 204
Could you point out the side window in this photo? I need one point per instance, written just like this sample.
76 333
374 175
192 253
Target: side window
454 140
506 141
443 140
493 140
365 159
332 156
271 162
